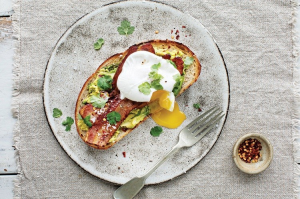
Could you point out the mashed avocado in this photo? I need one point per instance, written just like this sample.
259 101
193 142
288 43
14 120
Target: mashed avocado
93 87
135 117
174 53
82 125
109 70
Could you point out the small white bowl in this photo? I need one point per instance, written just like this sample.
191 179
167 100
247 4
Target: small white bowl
266 154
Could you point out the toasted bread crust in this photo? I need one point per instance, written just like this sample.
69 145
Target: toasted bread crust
191 76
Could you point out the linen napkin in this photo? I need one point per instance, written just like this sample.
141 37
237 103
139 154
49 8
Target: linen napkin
257 41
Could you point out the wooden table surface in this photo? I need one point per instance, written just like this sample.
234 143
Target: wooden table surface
8 167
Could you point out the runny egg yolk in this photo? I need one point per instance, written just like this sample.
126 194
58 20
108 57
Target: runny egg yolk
168 114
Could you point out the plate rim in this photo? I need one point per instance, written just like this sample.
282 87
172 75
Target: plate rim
77 161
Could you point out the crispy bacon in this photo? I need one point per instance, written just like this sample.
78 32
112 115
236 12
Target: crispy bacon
179 63
101 131
167 56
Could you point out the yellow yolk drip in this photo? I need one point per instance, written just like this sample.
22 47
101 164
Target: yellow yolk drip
164 117
169 119
163 99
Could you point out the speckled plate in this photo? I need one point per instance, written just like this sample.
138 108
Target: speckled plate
74 60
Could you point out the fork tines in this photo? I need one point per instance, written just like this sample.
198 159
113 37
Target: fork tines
200 124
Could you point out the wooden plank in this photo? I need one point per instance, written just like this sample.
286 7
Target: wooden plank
7 185
7 160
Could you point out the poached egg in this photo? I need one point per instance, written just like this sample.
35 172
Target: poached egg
136 72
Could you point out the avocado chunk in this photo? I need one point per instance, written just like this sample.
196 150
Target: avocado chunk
135 117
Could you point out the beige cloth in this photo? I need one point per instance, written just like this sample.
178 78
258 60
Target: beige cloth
256 39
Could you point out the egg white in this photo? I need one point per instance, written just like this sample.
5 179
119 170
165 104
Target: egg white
136 71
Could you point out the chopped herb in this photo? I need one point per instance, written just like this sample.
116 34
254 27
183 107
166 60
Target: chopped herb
155 76
113 117
68 123
188 61
57 113
156 131
97 101
125 28
145 88
197 106
104 82
98 44
177 86
87 121
79 116
155 67
156 85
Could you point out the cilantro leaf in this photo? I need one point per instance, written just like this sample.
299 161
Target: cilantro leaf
104 82
155 67
171 62
68 123
97 101
177 86
156 131
87 121
156 85
98 44
145 88
125 28
113 117
155 76
197 105
188 61
57 113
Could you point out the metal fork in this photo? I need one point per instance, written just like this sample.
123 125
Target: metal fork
188 136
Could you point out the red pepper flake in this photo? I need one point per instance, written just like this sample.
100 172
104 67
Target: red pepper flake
183 26
177 37
249 150
171 31
124 154
177 32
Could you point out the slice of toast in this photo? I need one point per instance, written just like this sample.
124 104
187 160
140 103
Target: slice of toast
161 47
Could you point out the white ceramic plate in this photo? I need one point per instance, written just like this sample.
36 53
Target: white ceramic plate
74 60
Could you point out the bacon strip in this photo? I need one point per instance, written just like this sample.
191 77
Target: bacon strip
101 131
179 63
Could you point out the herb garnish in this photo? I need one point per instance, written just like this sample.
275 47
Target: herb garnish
197 106
187 62
57 113
98 44
97 101
156 85
68 123
177 86
145 88
155 67
104 82
125 28
113 117
87 121
156 131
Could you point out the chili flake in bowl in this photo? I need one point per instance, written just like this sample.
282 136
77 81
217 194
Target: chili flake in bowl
252 153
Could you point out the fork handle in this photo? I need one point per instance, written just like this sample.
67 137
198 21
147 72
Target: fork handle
133 186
